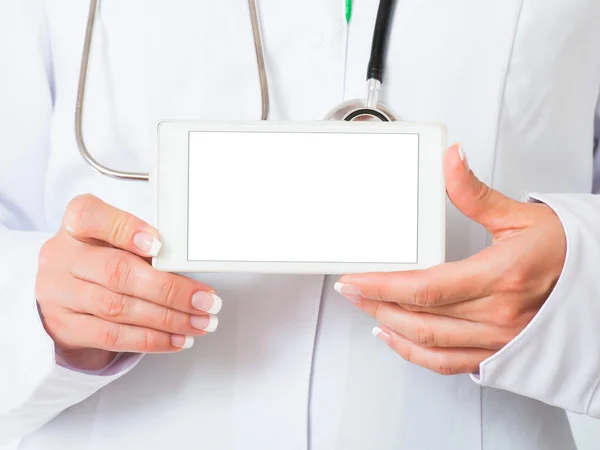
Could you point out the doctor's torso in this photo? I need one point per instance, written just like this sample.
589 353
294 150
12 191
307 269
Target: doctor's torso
292 364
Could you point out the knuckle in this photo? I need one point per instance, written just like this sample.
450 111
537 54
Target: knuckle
149 341
407 353
377 311
55 327
506 315
444 367
80 202
424 335
514 280
112 306
117 271
45 291
170 291
121 228
427 294
383 294
79 208
47 252
483 193
50 315
145 341
412 307
108 336
168 319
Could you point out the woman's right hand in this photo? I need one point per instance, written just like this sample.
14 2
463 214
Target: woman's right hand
99 295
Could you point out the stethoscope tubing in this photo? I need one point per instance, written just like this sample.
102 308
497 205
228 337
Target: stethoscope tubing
85 58
375 69
375 73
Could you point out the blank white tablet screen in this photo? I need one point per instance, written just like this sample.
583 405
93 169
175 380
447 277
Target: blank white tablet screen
303 197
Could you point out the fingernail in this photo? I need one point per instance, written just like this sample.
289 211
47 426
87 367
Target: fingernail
207 302
344 288
381 335
463 156
205 323
147 243
184 342
349 291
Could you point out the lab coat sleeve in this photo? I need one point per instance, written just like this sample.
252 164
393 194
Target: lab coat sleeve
33 387
556 358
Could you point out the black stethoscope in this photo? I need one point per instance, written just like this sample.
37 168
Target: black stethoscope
367 109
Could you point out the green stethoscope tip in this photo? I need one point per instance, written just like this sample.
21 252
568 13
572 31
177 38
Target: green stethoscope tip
348 10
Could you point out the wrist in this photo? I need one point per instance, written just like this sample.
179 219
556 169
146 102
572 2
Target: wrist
87 360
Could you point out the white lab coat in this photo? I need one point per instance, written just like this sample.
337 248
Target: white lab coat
293 365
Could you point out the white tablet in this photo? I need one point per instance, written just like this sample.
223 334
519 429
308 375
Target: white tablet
299 197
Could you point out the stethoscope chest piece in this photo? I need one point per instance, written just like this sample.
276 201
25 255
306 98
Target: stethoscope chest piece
357 111
370 109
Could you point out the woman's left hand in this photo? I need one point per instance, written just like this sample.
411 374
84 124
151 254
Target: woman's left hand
452 317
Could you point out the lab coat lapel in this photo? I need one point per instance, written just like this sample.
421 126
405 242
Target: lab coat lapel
275 344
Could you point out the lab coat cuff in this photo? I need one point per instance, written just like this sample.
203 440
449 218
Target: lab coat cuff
58 389
35 388
95 380
554 359
122 362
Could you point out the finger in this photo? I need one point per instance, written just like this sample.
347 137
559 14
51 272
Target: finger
475 310
475 199
479 310
87 217
92 332
440 285
127 274
445 361
89 298
430 330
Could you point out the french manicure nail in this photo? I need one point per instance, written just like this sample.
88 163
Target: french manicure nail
205 323
183 342
207 302
463 156
349 291
344 288
381 335
147 243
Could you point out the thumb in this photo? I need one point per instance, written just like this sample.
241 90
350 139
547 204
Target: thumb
87 218
475 199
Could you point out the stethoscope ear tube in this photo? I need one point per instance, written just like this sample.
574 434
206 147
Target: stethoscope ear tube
380 39
83 72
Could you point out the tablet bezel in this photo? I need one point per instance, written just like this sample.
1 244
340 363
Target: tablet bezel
170 183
